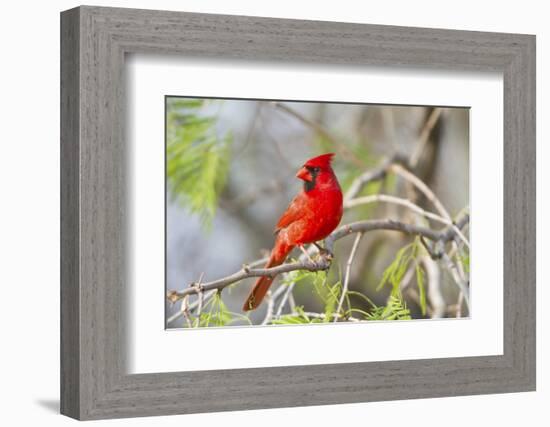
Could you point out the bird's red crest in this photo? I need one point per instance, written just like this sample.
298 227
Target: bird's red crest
321 161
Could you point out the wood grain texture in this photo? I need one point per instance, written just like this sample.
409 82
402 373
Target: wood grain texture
70 292
94 269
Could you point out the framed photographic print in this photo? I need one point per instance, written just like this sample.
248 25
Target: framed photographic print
242 195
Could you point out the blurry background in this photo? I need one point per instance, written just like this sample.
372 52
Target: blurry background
231 168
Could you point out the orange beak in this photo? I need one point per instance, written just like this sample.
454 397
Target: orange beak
304 174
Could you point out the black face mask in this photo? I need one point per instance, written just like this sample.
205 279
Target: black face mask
310 185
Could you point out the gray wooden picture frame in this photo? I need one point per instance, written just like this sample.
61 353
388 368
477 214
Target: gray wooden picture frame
94 41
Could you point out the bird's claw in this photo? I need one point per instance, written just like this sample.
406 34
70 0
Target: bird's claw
325 253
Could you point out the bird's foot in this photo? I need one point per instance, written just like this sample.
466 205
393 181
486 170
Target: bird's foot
323 252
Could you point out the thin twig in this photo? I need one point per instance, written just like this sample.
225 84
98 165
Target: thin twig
277 144
385 198
270 306
407 278
424 189
251 128
284 299
291 301
200 295
434 287
185 311
348 271
367 177
429 194
413 294
319 316
456 252
462 286
425 136
192 306
458 311
288 296
341 148
241 202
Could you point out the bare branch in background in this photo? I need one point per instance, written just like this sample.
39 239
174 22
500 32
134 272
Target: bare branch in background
424 136
192 307
270 306
341 148
251 128
286 297
424 189
429 194
367 177
434 287
244 201
376 198
348 270
185 311
462 285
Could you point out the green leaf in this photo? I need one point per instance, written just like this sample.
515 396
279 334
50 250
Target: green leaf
331 300
396 270
363 296
421 289
197 158
217 313
297 276
396 308
329 294
292 319
465 260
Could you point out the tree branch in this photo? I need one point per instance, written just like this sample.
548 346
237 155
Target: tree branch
322 264
398 201
369 176
325 259
462 285
425 136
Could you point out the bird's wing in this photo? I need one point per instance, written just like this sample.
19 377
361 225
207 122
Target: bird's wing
295 211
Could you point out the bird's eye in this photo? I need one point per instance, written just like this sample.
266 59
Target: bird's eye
316 169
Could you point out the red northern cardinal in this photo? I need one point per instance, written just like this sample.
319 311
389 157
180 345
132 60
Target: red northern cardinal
311 216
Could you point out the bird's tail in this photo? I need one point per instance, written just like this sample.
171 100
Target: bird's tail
262 285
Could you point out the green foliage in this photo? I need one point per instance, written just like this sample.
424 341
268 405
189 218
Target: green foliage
215 313
300 317
395 309
329 294
465 260
298 276
395 272
197 159
421 288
